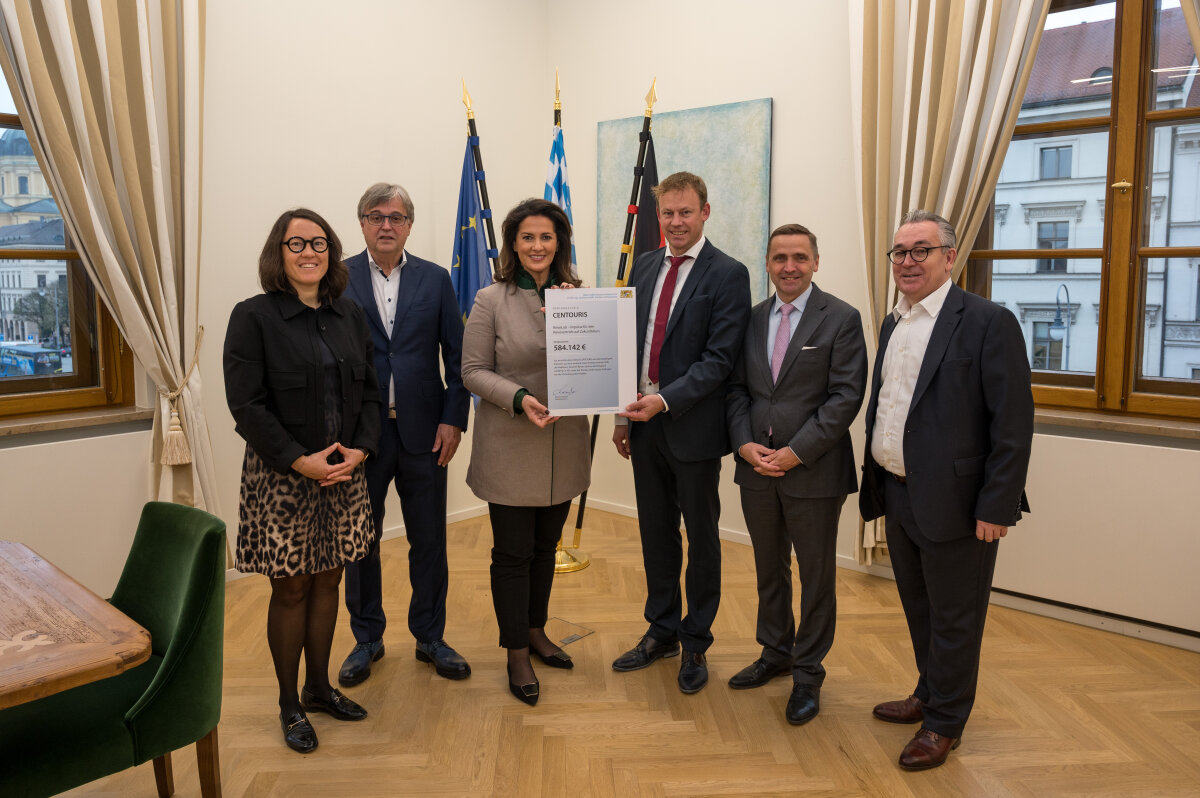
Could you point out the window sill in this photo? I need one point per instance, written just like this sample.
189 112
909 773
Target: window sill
79 419
1121 424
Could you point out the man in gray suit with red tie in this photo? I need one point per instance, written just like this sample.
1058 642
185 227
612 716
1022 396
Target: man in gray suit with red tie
416 329
794 392
949 432
693 302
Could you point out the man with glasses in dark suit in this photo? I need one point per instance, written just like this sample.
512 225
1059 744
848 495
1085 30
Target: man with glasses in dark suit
949 431
416 329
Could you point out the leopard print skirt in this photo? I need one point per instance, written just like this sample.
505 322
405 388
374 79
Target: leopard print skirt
289 525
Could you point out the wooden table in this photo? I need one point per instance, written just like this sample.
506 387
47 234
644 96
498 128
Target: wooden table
56 634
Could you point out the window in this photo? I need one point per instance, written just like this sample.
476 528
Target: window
59 349
1047 352
1052 235
1056 162
1111 123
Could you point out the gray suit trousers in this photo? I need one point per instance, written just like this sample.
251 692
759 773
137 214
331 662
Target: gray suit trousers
778 524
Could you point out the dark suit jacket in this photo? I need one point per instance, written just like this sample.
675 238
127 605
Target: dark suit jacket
970 425
820 390
427 320
274 379
703 340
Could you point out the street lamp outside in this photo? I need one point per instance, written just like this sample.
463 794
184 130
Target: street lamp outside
1060 331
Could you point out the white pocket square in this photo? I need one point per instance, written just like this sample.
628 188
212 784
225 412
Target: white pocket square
806 348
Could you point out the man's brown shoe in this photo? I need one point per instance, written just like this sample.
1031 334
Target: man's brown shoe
910 710
927 750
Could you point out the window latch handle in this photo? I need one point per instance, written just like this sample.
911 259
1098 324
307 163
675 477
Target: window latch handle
1122 186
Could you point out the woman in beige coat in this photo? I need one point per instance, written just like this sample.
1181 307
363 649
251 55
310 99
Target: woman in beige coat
525 463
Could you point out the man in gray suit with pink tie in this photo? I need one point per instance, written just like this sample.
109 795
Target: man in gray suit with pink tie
799 383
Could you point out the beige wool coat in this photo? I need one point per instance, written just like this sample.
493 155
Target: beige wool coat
514 462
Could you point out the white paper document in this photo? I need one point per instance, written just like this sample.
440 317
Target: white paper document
591 350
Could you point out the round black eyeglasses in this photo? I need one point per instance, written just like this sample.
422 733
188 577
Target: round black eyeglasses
297 244
918 254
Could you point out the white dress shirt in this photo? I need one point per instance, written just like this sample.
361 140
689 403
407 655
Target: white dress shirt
901 367
798 306
685 268
387 294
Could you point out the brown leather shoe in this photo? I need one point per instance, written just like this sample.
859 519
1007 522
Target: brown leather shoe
910 710
927 750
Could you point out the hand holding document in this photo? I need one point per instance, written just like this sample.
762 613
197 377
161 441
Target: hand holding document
591 350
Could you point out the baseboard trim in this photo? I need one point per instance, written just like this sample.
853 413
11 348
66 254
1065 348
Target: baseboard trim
1049 608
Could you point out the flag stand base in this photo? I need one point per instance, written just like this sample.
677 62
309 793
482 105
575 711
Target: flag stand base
568 561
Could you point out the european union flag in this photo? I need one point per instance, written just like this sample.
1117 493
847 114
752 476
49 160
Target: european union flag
470 269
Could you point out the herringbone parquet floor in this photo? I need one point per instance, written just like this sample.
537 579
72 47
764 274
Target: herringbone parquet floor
1063 710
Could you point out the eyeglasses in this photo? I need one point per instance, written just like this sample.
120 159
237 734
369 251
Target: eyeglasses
375 219
297 244
918 254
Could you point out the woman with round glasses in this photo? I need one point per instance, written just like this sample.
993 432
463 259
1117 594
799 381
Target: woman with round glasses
525 463
301 386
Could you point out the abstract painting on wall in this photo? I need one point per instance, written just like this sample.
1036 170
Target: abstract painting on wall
727 145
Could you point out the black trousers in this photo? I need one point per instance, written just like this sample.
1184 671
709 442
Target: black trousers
944 588
666 489
421 485
524 540
778 524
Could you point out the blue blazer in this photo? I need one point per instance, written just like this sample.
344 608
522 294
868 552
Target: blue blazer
703 341
428 322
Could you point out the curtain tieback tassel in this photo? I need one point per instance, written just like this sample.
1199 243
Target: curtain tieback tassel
175 449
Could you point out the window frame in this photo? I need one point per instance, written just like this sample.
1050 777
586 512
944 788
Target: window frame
109 359
1116 386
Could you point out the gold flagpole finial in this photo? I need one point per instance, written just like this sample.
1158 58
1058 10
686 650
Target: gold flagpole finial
467 100
557 92
651 98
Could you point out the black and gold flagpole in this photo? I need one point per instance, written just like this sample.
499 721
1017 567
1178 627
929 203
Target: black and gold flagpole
643 138
486 206
570 559
621 282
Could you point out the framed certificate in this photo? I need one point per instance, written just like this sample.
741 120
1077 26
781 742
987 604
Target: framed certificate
591 350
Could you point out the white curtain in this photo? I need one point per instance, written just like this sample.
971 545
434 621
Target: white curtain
110 97
937 89
1191 15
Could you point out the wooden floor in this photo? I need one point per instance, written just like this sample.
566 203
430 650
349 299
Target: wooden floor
1063 710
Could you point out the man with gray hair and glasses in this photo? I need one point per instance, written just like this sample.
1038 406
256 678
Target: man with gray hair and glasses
415 322
949 429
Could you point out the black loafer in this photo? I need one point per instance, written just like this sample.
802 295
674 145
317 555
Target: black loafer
559 659
527 693
804 704
338 705
298 733
758 673
693 672
446 661
645 652
357 666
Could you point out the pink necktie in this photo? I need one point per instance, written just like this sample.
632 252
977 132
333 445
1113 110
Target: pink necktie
783 337
663 314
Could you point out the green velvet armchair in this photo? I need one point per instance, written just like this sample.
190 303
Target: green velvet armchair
173 584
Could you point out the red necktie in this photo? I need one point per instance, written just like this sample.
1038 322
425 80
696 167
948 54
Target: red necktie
663 314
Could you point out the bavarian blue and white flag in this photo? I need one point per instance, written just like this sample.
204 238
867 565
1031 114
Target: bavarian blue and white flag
558 190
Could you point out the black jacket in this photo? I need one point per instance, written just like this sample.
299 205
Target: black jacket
274 381
969 430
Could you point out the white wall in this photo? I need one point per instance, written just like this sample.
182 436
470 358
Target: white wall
734 53
305 105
